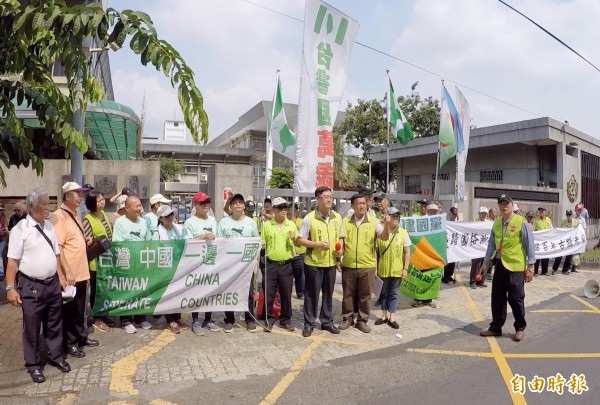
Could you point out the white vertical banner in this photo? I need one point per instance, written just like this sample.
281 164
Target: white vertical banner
329 36
464 114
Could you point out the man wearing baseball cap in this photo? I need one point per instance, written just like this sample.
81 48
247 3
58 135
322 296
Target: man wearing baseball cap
541 223
73 259
511 245
568 222
204 227
278 236
156 201
238 225
422 208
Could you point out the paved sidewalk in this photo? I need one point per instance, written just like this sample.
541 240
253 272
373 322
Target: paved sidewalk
124 366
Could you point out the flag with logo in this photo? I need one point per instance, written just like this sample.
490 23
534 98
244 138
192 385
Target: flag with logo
283 140
329 37
396 119
450 135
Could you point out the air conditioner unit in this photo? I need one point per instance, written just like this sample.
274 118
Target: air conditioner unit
203 178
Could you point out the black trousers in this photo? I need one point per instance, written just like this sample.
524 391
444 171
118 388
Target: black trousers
449 271
248 315
475 270
566 265
318 280
41 305
298 266
73 313
508 286
280 278
544 262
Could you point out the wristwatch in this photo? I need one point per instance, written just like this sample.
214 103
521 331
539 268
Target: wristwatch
10 287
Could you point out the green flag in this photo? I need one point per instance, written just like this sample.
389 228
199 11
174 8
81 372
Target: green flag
282 138
397 121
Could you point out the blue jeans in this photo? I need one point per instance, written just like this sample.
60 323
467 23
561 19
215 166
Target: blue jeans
389 293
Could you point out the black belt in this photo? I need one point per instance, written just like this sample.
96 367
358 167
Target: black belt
38 280
280 262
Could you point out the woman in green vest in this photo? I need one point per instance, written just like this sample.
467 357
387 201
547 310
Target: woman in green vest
95 224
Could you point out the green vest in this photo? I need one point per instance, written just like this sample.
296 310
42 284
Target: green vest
512 251
565 224
320 231
97 230
540 224
299 249
359 243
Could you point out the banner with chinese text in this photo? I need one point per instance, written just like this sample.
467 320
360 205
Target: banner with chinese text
329 36
162 277
469 240
427 256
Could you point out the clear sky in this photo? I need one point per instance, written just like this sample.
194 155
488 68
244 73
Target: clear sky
235 48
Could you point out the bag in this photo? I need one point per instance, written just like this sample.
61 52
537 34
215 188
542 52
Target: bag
99 245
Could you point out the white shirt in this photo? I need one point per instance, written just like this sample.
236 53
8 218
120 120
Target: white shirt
27 244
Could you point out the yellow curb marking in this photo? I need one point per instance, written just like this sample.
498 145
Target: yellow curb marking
553 284
161 402
587 304
121 403
510 355
285 382
123 371
564 311
497 354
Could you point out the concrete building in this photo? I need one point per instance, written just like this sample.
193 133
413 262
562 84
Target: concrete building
539 162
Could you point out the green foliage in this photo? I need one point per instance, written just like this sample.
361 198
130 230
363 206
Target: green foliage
281 178
345 166
365 126
169 168
33 34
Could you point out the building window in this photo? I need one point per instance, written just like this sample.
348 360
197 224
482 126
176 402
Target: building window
259 143
412 184
191 169
491 176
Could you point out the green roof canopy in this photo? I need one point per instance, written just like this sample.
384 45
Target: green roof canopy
113 128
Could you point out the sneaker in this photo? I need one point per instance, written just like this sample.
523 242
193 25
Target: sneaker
228 328
174 328
473 286
251 326
146 325
100 326
129 328
197 328
182 325
574 271
481 285
211 326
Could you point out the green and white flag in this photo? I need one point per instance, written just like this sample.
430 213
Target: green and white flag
164 277
397 120
283 140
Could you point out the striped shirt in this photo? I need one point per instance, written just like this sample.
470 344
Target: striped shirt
87 227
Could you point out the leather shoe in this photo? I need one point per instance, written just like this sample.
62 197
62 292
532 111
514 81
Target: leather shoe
306 332
519 335
37 376
487 333
89 342
74 351
61 365
286 326
361 326
331 329
346 323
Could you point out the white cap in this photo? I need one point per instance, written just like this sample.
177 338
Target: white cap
432 207
121 202
159 198
164 211
72 186
277 201
483 209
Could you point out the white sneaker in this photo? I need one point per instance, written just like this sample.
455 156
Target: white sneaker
146 325
129 328
213 327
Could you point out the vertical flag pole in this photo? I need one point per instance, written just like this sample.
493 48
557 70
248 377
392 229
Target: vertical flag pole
387 170
437 163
